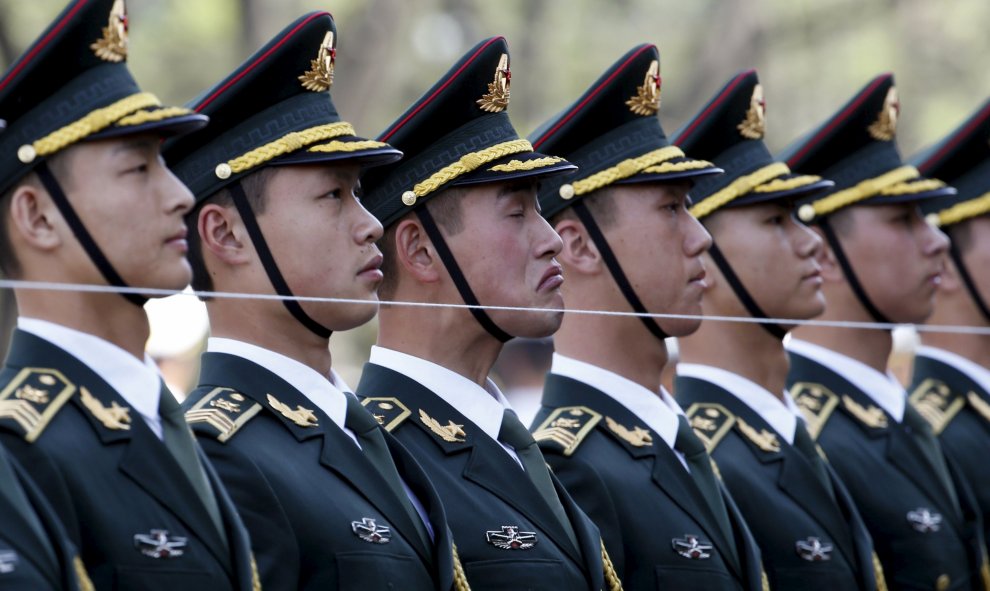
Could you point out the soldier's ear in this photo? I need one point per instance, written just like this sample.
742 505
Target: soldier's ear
579 253
414 252
34 219
223 235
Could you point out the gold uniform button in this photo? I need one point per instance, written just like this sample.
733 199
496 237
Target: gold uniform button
566 191
942 582
806 212
26 153
223 171
409 198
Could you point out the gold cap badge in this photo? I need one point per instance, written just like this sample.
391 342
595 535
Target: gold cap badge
754 125
885 127
112 47
647 99
496 99
319 78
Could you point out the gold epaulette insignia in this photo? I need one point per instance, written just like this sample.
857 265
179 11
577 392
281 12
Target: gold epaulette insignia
303 417
496 99
710 423
636 437
32 399
936 402
389 412
871 417
764 581
82 577
763 439
567 427
451 432
816 402
981 406
114 417
879 576
223 409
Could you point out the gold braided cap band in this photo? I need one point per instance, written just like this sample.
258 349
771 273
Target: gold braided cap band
961 211
889 183
286 144
125 112
465 164
339 146
739 187
651 162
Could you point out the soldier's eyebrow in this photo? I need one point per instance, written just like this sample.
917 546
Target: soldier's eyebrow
509 189
139 144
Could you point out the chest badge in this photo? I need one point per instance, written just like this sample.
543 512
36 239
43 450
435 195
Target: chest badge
691 547
510 538
813 550
369 531
158 544
924 520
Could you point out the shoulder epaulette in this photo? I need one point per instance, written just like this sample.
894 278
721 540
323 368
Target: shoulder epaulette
710 422
389 412
566 427
817 404
221 413
937 403
30 401
979 405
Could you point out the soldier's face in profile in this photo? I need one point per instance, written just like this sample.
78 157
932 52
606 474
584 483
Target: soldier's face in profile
775 257
897 256
132 205
660 247
972 238
323 240
506 251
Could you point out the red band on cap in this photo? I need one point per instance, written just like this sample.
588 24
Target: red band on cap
718 101
41 44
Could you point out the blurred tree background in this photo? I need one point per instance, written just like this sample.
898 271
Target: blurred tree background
812 55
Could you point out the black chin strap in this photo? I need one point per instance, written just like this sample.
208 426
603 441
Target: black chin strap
615 269
968 280
82 234
460 282
271 269
847 270
743 294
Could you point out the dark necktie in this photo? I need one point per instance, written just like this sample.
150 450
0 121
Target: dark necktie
921 432
700 464
514 434
373 445
804 444
11 488
179 441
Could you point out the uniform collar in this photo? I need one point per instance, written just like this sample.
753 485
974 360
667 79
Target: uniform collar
657 409
138 382
883 389
482 406
325 392
973 371
779 415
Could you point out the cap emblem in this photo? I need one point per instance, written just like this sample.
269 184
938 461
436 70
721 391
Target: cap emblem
754 125
112 47
647 99
884 128
496 99
319 78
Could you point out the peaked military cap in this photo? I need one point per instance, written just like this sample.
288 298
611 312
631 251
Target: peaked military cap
456 134
612 133
729 132
961 159
273 110
71 85
856 149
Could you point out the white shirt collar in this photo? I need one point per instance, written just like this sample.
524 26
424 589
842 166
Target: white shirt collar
659 412
482 406
974 371
883 389
771 409
138 382
326 392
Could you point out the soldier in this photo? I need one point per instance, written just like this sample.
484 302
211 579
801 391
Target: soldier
87 199
462 226
951 384
611 433
330 503
881 262
731 375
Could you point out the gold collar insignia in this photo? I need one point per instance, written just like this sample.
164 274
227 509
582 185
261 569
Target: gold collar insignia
636 437
754 126
301 416
763 439
646 102
451 432
871 417
496 99
979 404
114 417
112 47
319 78
885 127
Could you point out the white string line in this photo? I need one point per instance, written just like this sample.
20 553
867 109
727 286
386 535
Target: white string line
80 287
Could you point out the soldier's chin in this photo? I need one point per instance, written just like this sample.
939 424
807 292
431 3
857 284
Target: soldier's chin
531 325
